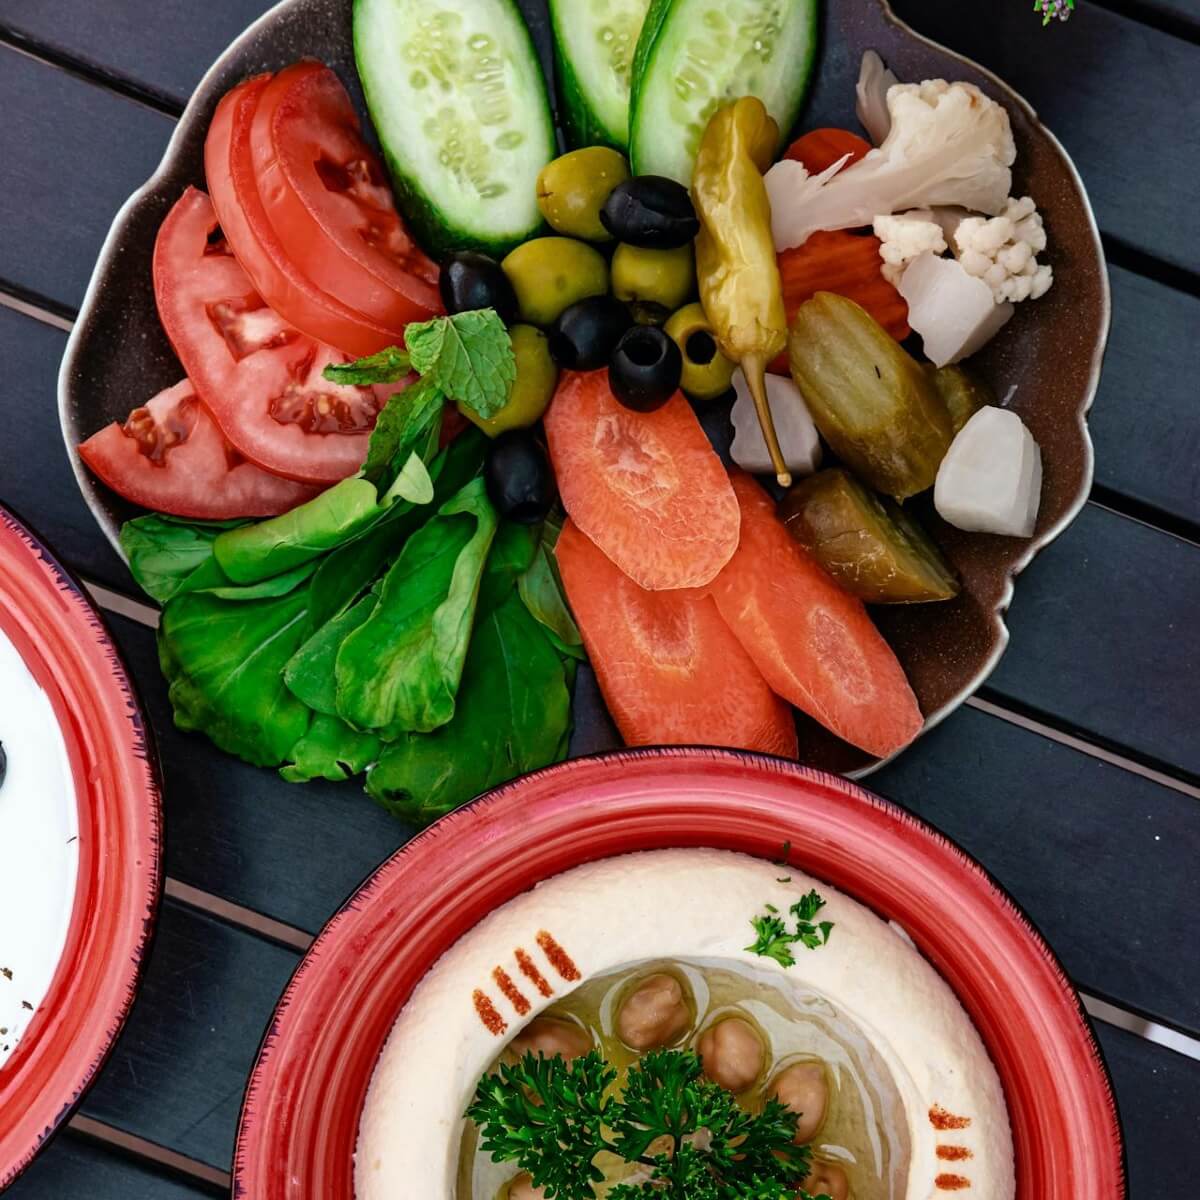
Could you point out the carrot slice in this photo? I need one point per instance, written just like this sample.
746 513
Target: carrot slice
647 488
813 642
848 264
819 149
671 671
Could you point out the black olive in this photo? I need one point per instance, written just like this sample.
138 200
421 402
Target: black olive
650 211
645 369
3 764
585 333
519 480
470 280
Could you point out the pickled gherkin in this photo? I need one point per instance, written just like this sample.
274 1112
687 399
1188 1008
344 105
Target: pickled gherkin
962 393
874 404
872 547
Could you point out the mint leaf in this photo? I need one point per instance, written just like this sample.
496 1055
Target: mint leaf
468 355
407 422
388 366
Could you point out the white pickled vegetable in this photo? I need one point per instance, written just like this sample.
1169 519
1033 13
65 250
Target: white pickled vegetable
798 438
954 312
991 478
871 91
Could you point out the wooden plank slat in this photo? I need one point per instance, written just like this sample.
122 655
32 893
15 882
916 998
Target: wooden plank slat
1146 422
1158 1093
178 1071
1130 143
35 475
244 834
1105 637
72 1168
72 153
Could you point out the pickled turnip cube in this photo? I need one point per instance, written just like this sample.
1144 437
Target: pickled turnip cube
798 438
991 478
955 313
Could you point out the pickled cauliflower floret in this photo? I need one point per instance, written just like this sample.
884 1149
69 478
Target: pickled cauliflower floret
905 236
948 144
1002 251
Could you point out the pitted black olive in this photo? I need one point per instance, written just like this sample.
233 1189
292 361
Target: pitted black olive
645 369
650 211
586 333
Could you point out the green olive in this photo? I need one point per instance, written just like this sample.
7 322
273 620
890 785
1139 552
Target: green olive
531 391
572 190
707 373
653 282
552 273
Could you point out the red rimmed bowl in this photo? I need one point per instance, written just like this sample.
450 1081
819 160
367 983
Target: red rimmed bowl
300 1119
68 651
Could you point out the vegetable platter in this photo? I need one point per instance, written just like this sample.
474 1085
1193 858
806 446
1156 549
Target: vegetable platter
410 621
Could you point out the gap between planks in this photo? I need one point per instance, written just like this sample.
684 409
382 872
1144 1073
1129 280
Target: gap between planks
141 1148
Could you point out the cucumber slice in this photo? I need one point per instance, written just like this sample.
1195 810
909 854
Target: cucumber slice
594 42
459 102
694 55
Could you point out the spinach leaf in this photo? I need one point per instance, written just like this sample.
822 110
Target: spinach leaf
513 715
348 569
330 750
542 591
167 556
412 483
400 670
224 662
277 585
310 671
390 365
512 552
256 552
468 355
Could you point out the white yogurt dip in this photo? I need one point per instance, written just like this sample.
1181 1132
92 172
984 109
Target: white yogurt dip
39 847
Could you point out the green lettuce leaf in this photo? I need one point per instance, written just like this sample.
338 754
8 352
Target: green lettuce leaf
469 356
542 591
224 662
167 556
310 671
330 750
513 715
400 670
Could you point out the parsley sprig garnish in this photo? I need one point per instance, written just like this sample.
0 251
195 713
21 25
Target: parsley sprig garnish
687 1134
775 940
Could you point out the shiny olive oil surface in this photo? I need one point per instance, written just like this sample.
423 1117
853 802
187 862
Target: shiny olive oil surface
864 1131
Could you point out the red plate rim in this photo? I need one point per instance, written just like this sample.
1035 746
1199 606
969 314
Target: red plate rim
70 653
300 1115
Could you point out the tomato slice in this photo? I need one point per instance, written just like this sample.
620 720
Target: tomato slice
813 642
647 488
229 168
259 377
671 672
327 198
170 456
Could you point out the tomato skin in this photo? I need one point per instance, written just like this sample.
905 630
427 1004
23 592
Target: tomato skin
325 194
671 672
247 365
170 456
819 149
814 643
229 169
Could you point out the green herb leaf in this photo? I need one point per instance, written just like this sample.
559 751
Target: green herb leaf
388 366
773 938
408 424
330 750
468 355
512 715
400 671
224 662
167 556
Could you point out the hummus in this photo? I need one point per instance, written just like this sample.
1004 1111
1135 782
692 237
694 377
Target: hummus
39 853
929 1112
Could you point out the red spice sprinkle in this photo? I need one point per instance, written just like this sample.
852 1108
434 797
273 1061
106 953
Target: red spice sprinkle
493 1022
939 1118
952 1183
511 991
530 971
954 1153
560 960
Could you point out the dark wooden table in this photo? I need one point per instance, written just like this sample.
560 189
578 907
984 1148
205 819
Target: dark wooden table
1074 775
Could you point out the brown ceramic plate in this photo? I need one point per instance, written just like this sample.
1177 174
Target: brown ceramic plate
1051 351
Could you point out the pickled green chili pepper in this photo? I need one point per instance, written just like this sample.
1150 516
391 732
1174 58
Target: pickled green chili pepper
735 253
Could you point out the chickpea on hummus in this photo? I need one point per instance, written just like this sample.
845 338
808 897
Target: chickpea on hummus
828 1047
